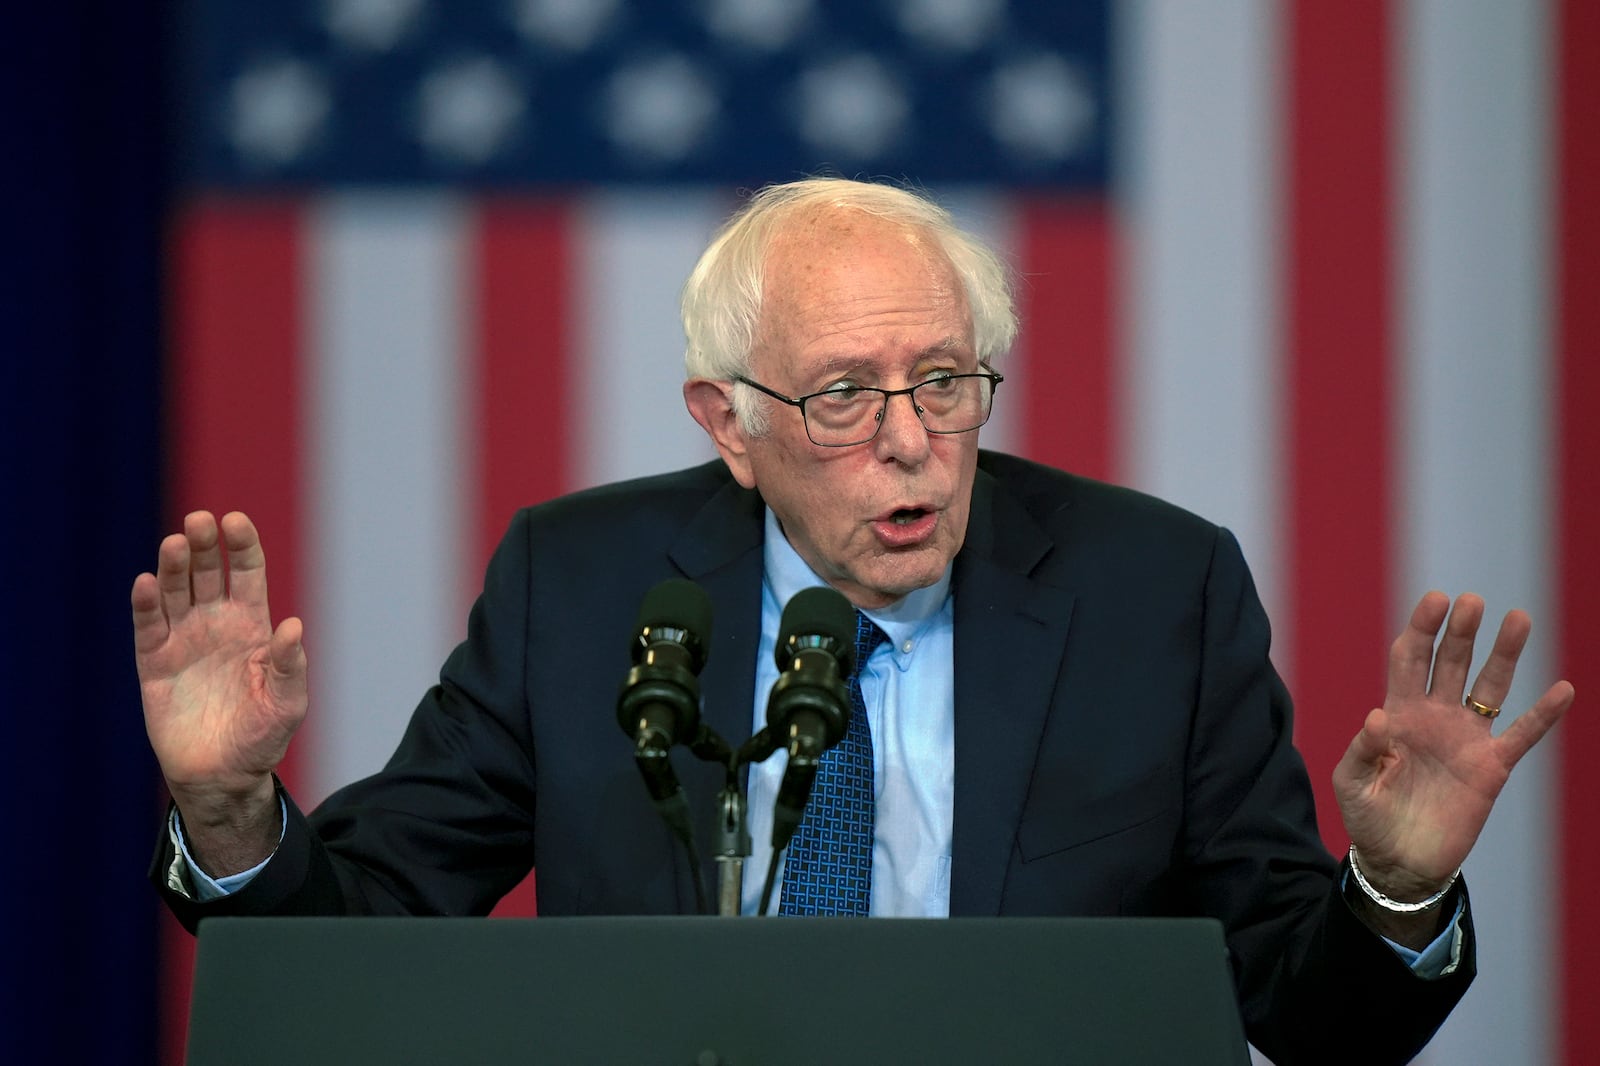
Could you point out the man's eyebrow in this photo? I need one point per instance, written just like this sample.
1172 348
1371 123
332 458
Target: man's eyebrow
842 363
945 345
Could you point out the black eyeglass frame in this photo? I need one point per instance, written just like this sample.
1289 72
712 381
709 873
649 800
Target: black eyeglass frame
993 378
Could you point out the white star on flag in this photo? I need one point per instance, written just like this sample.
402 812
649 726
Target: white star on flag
854 106
567 25
275 110
1040 108
951 25
373 25
767 25
466 109
659 109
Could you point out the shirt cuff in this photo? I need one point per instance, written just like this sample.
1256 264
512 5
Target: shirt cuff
1442 956
186 878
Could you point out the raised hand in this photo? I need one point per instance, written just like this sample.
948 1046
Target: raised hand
223 693
1419 779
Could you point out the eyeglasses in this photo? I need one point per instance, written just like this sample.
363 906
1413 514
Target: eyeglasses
847 415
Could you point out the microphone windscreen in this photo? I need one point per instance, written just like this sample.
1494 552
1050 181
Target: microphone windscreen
676 613
823 613
677 604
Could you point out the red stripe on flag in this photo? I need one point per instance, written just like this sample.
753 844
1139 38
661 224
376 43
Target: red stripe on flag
524 336
233 395
1339 334
1066 297
1577 587
522 292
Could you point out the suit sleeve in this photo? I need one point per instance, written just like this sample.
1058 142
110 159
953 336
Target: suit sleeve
1315 984
447 827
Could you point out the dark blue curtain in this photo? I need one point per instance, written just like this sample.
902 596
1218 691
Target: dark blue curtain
83 147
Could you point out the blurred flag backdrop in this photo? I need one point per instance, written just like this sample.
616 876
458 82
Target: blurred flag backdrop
1309 269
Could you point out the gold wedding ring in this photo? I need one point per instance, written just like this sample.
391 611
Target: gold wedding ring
1481 709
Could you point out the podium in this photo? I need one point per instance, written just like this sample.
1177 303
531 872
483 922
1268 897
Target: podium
712 992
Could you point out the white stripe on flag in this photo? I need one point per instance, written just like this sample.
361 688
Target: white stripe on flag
1472 477
1202 402
385 374
633 250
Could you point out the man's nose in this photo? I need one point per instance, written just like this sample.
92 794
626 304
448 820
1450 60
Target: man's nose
902 435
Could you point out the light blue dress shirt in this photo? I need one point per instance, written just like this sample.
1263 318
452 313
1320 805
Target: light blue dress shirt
909 688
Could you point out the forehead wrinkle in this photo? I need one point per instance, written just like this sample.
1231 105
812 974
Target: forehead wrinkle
841 360
850 313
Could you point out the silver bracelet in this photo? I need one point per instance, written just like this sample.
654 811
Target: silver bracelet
1395 905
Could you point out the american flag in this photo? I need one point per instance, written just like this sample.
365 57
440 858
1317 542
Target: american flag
1308 269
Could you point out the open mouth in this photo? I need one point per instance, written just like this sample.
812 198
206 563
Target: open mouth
906 527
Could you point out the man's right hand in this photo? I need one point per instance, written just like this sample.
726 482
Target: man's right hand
223 692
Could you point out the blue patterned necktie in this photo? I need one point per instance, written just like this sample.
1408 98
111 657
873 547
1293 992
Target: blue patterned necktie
828 869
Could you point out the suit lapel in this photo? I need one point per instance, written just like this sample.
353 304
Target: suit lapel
1010 634
720 549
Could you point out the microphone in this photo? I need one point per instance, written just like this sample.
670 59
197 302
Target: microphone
659 705
809 707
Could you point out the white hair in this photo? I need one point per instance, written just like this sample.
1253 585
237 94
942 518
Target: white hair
721 301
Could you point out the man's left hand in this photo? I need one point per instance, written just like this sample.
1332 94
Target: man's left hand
1419 779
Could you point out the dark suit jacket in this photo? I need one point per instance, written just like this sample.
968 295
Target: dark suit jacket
1122 744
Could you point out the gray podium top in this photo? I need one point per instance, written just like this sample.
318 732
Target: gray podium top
712 992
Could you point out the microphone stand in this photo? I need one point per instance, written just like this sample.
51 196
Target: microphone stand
733 842
733 834
758 749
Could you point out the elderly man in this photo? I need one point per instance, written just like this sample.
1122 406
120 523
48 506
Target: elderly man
1073 712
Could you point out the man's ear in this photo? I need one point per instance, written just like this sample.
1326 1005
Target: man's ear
711 404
